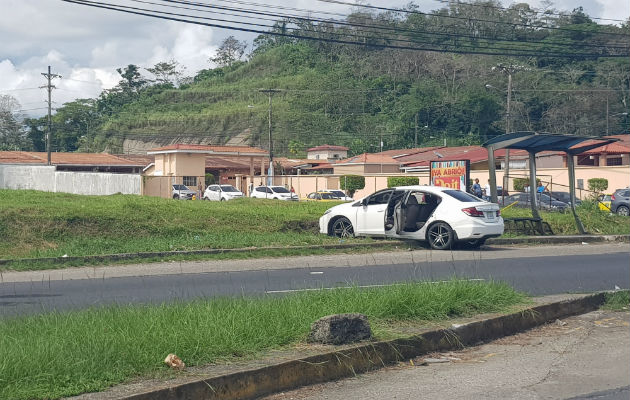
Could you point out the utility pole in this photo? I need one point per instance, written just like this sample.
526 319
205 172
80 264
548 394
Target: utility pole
506 175
270 93
509 70
49 76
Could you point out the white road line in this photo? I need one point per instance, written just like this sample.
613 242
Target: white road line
359 286
317 273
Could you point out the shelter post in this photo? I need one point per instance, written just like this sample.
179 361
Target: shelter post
492 172
532 185
571 165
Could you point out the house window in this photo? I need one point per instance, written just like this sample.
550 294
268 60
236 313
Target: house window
190 181
613 161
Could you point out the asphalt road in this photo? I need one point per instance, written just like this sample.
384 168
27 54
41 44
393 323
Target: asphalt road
536 270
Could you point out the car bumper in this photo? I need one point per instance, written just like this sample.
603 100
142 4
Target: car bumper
479 229
323 224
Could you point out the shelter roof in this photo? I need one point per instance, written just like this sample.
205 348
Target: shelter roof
536 142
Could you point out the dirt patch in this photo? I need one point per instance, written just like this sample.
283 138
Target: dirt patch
300 226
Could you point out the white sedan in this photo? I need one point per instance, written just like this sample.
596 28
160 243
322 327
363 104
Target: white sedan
221 193
273 192
439 215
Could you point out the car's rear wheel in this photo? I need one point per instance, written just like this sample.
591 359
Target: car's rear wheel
440 236
342 228
222 199
176 197
623 210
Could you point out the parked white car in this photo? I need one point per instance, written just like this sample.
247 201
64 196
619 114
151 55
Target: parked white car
182 192
439 215
221 193
273 192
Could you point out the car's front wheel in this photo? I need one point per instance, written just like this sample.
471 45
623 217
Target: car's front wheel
342 228
440 236
176 197
623 210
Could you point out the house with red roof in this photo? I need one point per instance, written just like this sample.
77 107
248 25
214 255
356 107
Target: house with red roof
327 152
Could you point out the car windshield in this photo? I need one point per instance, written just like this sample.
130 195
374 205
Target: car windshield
462 196
180 187
228 188
280 189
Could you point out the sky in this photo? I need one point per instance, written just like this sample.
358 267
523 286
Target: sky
86 45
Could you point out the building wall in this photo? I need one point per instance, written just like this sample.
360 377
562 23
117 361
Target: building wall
46 178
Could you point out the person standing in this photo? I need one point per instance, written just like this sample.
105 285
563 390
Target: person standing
488 190
476 188
199 190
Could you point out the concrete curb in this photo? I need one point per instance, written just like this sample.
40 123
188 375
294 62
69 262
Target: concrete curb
377 244
366 357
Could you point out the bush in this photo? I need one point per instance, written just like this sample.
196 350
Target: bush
352 183
519 183
402 181
597 184
210 179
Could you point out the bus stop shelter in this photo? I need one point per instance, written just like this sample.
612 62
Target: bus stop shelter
534 142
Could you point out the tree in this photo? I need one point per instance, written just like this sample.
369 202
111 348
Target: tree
12 136
230 51
132 78
351 183
168 72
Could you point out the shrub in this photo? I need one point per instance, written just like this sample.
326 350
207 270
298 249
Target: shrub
519 183
597 184
352 183
210 179
402 181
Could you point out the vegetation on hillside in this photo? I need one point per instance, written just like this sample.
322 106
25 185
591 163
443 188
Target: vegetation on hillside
566 79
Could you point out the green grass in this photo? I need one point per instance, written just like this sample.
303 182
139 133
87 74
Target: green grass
63 354
39 224
594 220
617 301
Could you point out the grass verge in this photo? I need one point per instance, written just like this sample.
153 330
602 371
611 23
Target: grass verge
55 355
617 301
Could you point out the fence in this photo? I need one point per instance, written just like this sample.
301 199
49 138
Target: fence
47 178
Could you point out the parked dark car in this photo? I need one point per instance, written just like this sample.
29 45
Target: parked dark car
545 202
620 202
565 198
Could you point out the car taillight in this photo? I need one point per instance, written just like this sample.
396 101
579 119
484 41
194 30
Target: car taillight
612 197
498 213
473 212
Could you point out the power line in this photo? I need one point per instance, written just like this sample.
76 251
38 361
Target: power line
454 49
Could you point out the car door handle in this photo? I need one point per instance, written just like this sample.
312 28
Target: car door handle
381 211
